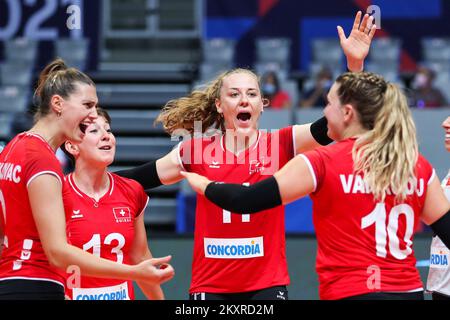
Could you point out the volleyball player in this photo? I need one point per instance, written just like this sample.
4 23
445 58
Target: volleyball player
438 282
369 191
107 218
35 251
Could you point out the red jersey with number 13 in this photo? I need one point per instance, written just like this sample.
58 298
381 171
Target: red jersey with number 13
105 228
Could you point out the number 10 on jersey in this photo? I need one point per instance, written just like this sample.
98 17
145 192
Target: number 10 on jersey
387 230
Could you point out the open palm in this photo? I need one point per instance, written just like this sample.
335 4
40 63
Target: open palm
356 46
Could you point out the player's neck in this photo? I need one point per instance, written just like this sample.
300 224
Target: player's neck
236 141
353 131
49 132
94 182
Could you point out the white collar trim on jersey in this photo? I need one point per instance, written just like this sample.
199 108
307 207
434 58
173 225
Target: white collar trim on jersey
38 136
75 187
111 178
222 144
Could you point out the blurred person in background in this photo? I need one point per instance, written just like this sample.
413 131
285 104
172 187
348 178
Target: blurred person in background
278 98
424 93
317 96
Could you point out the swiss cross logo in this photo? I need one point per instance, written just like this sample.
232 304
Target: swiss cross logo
256 166
122 214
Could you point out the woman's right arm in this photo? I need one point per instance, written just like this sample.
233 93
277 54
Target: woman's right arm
152 174
48 211
279 189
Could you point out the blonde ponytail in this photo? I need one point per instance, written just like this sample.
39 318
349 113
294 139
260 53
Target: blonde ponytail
387 153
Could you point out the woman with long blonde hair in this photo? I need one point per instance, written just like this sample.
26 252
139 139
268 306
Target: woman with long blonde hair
369 192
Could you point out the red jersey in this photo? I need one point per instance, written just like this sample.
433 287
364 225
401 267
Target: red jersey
234 252
105 229
363 246
26 157
279 100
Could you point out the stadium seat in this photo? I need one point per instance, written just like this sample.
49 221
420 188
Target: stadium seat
436 49
133 149
210 70
21 50
160 211
139 95
73 51
275 119
327 51
292 89
218 50
276 50
15 74
385 50
388 69
135 121
12 99
6 122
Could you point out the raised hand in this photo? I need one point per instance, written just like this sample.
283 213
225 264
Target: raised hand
357 45
197 182
155 271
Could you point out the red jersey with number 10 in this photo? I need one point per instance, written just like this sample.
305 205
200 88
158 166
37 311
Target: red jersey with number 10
234 252
26 157
363 246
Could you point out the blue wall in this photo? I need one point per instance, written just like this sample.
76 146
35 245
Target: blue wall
301 20
45 21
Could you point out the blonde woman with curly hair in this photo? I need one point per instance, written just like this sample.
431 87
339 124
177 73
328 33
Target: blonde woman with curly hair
239 257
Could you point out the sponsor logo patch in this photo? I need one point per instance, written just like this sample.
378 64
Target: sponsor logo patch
76 214
439 258
241 248
118 292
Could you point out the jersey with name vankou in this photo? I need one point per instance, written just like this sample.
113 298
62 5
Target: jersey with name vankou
234 252
363 246
25 158
106 229
439 271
